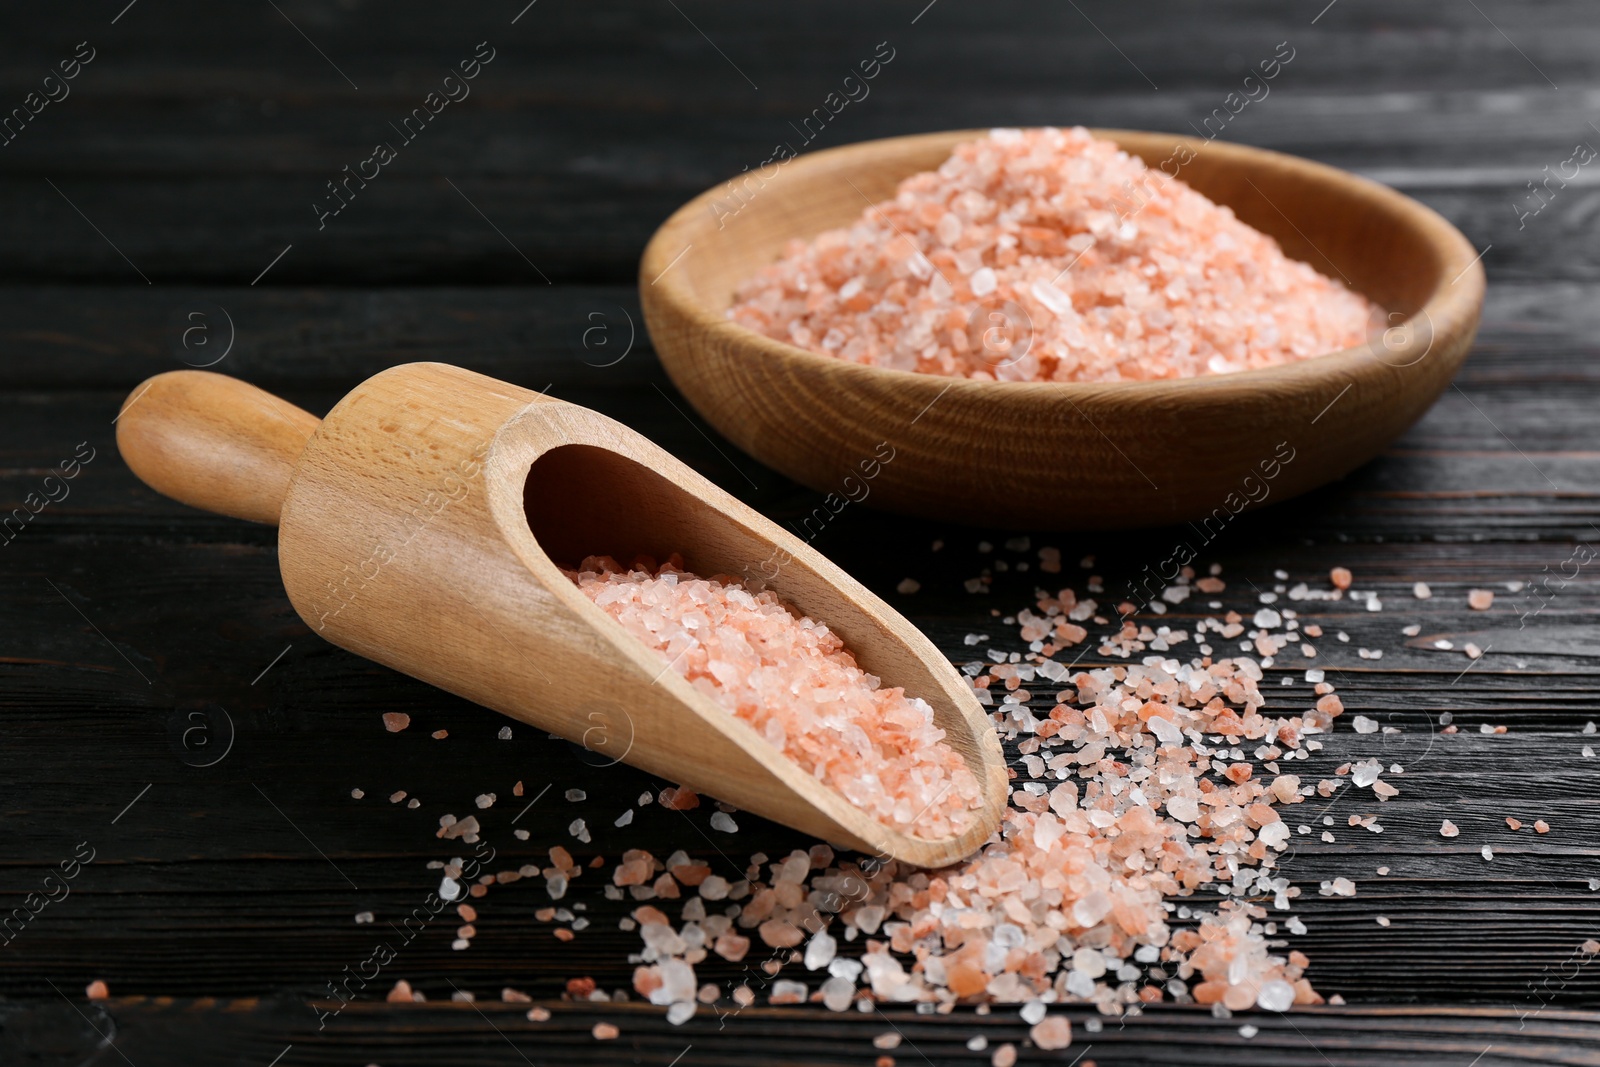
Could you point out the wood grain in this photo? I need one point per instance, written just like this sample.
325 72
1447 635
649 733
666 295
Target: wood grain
213 442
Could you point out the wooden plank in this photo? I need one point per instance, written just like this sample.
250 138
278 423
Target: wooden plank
253 1031
188 188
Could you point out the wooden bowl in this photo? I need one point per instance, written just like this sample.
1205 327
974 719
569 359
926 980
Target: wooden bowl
1065 455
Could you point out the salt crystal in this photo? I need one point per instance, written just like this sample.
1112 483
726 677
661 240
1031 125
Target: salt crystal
1275 996
1052 1033
819 950
721 820
788 992
1183 808
837 993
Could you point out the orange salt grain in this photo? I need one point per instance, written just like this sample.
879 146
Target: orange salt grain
1480 599
395 721
679 798
731 947
1540 826
1515 824
605 1032
563 934
1340 577
780 933
1052 1032
97 990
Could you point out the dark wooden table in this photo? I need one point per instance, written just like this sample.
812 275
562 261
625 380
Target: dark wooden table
163 706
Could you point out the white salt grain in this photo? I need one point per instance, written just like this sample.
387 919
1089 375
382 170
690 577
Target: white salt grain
1277 995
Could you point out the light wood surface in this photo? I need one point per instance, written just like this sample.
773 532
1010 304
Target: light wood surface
1067 455
213 442
424 527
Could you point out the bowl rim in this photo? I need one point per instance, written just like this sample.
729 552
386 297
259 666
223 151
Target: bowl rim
1450 307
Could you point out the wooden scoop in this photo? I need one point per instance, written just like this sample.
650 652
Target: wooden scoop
421 525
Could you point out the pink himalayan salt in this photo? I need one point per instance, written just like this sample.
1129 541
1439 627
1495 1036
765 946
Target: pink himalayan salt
1052 1032
795 683
1050 255
1088 865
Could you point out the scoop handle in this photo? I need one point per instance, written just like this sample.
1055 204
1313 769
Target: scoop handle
214 442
